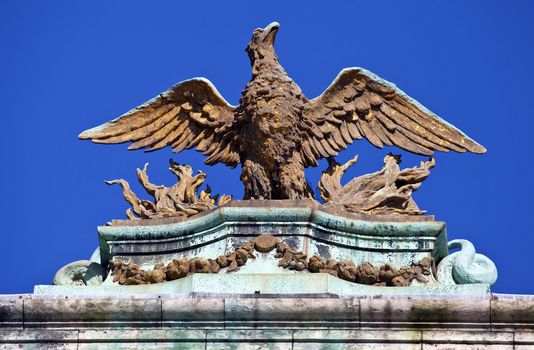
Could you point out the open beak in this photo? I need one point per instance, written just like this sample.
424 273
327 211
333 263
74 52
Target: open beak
269 32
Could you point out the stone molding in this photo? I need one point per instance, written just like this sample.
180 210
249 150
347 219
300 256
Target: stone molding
140 241
496 312
258 321
282 339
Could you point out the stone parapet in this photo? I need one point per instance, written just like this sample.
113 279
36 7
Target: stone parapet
263 321
368 251
260 300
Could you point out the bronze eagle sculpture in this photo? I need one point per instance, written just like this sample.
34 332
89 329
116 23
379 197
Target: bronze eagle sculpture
275 131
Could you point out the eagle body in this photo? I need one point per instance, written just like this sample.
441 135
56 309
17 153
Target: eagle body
276 132
269 113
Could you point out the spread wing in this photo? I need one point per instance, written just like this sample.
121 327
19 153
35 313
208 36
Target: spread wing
190 114
360 104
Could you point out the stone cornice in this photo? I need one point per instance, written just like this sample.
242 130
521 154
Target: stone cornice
283 311
136 239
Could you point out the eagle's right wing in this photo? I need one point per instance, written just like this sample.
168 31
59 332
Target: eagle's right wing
190 114
359 104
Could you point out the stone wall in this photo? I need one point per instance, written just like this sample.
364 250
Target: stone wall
199 321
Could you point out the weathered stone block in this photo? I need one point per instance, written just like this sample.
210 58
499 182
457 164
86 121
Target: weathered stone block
355 346
466 346
356 339
249 339
523 340
11 314
144 346
454 339
41 346
249 346
38 339
192 311
515 314
292 310
73 313
425 313
253 335
142 339
343 335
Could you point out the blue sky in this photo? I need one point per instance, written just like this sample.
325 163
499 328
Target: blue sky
66 66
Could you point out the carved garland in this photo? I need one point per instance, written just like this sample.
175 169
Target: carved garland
290 258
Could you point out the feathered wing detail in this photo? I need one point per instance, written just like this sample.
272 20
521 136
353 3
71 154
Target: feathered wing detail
190 114
360 104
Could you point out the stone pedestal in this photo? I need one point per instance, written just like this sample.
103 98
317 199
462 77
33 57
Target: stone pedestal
263 305
302 224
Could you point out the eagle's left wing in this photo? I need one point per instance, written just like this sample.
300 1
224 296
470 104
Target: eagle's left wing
360 104
190 114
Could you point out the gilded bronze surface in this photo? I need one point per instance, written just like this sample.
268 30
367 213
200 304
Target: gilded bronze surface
275 131
388 191
181 199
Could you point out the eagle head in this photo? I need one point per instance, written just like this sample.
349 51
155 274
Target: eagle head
261 44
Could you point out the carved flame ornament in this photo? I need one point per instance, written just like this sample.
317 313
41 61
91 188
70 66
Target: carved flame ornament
388 191
179 200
